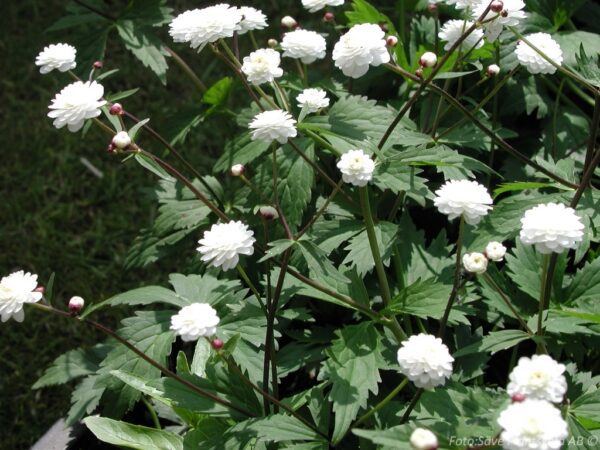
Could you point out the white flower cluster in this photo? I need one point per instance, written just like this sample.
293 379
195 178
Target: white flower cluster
199 27
195 321
317 5
454 29
76 103
478 262
223 244
551 227
17 289
276 125
312 100
463 4
468 199
532 60
425 360
56 56
262 66
532 422
305 45
363 46
357 167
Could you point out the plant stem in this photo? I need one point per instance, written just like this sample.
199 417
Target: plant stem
591 148
548 267
320 212
382 403
411 406
505 299
249 283
187 70
370 225
164 370
152 412
456 283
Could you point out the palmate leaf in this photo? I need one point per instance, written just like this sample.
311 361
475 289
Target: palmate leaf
585 286
133 436
359 250
84 399
352 368
149 332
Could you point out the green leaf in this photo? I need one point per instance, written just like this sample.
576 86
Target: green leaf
133 131
151 165
241 150
588 68
133 436
318 263
363 12
145 46
519 186
73 364
428 298
218 93
141 296
571 42
277 248
494 342
276 428
150 333
352 367
149 12
121 95
201 355
84 399
359 249
587 406
585 286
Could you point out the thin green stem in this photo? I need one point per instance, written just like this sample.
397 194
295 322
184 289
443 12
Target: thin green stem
411 406
187 70
594 127
382 403
543 288
320 212
456 284
249 283
507 302
152 412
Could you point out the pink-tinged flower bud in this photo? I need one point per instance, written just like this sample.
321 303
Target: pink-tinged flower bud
329 17
391 41
111 148
116 110
121 140
518 398
497 6
237 170
504 13
492 70
76 304
432 7
217 344
428 59
272 43
384 27
98 65
268 213
289 22
419 72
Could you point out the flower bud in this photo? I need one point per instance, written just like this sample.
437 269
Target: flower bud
329 17
98 64
495 251
237 170
40 289
76 304
475 262
391 41
268 213
289 22
492 70
272 43
432 7
497 6
121 140
419 72
423 439
428 59
384 27
217 344
116 110
111 148
504 13
518 398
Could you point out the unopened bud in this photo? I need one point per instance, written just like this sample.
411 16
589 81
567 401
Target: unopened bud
419 72
492 70
98 64
432 7
76 304
391 41
237 170
121 140
272 43
40 289
268 213
111 148
504 13
428 59
289 22
497 6
384 27
116 109
329 17
518 398
217 344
